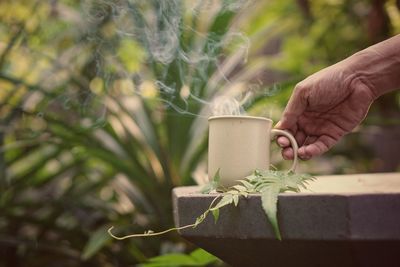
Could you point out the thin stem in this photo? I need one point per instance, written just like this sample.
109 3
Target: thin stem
149 233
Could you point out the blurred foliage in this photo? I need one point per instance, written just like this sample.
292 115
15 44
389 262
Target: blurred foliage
198 257
98 102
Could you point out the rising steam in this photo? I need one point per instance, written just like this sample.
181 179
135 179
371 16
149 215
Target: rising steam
224 105
179 49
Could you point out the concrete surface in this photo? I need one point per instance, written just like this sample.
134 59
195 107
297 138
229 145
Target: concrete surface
349 220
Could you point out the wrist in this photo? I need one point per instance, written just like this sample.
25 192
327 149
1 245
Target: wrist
378 66
361 74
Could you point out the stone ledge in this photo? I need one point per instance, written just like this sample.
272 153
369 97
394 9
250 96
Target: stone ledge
372 215
355 216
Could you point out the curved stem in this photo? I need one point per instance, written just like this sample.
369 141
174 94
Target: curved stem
150 233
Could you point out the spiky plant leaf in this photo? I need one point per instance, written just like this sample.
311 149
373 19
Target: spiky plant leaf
270 183
269 201
226 200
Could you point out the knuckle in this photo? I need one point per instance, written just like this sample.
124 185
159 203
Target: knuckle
300 87
302 92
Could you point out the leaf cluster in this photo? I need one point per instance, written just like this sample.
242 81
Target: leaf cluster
268 183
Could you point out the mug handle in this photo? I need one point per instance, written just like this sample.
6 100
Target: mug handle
275 132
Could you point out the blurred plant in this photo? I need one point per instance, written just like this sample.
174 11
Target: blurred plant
98 120
197 257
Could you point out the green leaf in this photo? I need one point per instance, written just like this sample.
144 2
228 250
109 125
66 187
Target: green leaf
215 214
173 259
202 257
211 185
198 257
217 177
98 240
240 188
269 200
226 200
244 193
246 184
207 188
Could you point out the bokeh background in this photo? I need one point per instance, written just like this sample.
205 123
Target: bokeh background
104 106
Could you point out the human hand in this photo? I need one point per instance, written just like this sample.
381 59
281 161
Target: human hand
324 107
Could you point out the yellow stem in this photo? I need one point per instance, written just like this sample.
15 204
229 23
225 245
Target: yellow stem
163 232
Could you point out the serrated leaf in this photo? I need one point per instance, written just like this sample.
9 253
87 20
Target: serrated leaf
236 200
98 239
251 178
290 182
246 184
226 200
240 188
244 193
215 214
269 201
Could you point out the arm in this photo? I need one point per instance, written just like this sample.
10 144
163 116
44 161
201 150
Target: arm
332 102
378 66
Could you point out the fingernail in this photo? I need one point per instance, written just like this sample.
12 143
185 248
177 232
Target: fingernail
303 154
305 157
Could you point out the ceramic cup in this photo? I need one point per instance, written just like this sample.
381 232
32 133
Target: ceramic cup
238 145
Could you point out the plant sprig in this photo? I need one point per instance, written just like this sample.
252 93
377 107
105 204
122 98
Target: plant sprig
268 183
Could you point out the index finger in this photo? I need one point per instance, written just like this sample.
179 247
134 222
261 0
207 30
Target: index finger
295 107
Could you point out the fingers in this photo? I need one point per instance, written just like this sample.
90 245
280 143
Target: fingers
284 141
300 137
287 153
313 146
320 146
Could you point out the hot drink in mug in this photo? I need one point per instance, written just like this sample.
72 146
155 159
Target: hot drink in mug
238 145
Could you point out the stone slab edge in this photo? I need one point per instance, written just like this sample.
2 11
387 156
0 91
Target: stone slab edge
303 216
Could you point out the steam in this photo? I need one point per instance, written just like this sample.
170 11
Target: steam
160 50
172 38
224 105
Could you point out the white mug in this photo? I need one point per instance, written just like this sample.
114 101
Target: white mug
239 145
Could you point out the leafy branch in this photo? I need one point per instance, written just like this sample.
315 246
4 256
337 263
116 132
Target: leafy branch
268 183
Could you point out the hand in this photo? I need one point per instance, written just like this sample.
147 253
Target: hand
324 107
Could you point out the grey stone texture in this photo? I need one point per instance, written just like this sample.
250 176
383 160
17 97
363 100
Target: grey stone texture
347 220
